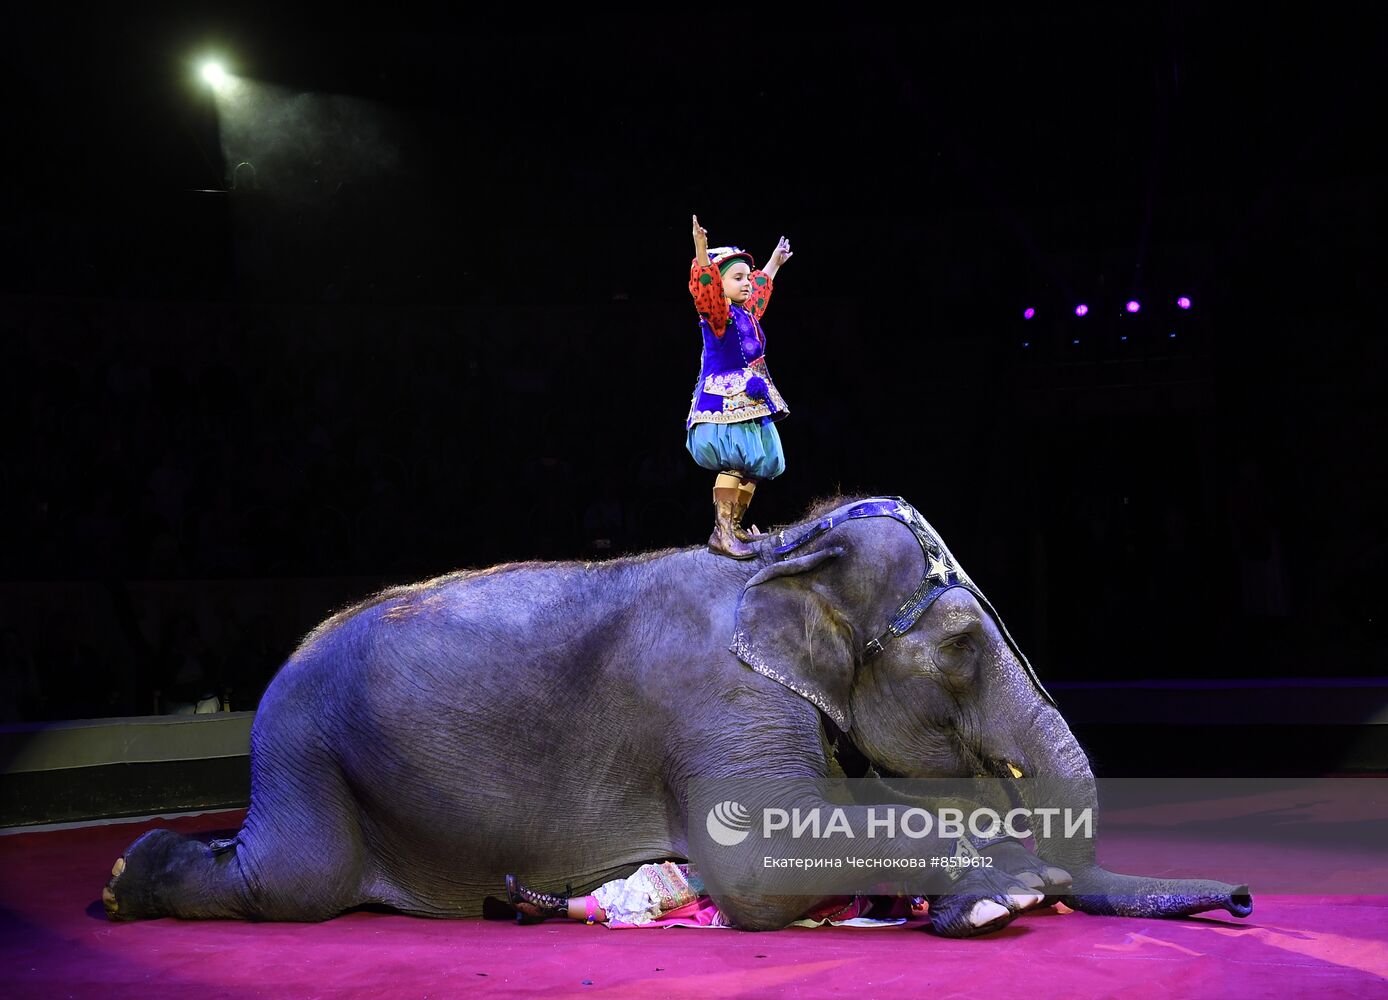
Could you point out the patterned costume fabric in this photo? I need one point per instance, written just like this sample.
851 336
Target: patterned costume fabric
734 384
670 894
647 893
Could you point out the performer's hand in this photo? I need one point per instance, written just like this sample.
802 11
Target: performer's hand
780 255
700 242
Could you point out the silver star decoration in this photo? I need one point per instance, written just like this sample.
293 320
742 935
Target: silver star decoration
938 568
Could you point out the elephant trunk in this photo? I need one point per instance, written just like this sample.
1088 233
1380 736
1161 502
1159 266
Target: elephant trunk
1062 778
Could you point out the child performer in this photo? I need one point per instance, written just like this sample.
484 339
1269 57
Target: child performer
731 429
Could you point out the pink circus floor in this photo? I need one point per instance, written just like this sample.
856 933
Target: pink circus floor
56 942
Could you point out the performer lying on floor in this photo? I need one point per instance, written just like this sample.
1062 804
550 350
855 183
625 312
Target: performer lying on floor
671 894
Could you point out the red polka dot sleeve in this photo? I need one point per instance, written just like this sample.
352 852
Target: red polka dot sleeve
706 285
761 293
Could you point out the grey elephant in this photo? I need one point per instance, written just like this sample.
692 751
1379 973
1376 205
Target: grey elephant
549 718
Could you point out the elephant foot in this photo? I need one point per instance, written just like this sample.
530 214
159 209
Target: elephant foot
1031 871
143 878
108 892
981 904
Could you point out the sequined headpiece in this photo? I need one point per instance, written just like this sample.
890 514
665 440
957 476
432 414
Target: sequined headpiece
725 257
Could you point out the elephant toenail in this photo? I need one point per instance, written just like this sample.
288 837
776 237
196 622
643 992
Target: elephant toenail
108 899
985 911
118 867
1057 876
1031 880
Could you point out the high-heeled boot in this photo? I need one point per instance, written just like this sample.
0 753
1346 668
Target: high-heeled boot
724 539
544 904
744 500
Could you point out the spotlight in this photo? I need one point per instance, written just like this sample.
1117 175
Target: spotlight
1133 305
1030 312
1075 341
1183 302
1081 310
213 73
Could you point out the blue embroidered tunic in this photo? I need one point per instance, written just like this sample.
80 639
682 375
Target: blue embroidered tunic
734 384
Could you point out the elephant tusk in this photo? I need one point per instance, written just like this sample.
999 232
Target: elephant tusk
1016 773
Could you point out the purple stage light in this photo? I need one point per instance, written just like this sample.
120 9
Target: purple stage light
1030 312
1183 302
1133 305
1081 310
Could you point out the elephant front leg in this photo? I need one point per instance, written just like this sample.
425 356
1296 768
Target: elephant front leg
1009 855
169 874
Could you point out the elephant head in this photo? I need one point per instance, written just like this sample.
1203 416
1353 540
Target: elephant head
866 614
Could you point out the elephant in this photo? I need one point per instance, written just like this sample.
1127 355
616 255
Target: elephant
551 718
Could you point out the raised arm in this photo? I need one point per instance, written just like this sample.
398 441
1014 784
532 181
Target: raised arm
778 257
700 244
765 279
706 284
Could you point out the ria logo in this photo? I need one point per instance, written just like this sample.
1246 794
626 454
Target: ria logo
728 823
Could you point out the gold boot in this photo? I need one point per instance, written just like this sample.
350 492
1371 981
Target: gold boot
744 500
724 539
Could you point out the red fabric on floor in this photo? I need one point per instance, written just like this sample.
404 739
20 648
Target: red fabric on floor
58 943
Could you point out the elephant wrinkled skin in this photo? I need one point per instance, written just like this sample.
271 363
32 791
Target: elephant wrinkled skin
546 718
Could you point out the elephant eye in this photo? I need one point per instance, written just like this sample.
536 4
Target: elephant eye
955 655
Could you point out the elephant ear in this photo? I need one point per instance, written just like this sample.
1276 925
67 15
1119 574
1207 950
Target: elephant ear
787 629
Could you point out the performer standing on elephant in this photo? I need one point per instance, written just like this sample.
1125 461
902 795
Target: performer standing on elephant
731 428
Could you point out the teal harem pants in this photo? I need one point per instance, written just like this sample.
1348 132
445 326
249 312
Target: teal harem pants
750 447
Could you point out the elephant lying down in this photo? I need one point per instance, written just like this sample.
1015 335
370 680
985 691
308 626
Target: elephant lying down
549 718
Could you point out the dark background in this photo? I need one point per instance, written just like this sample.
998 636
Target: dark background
441 320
